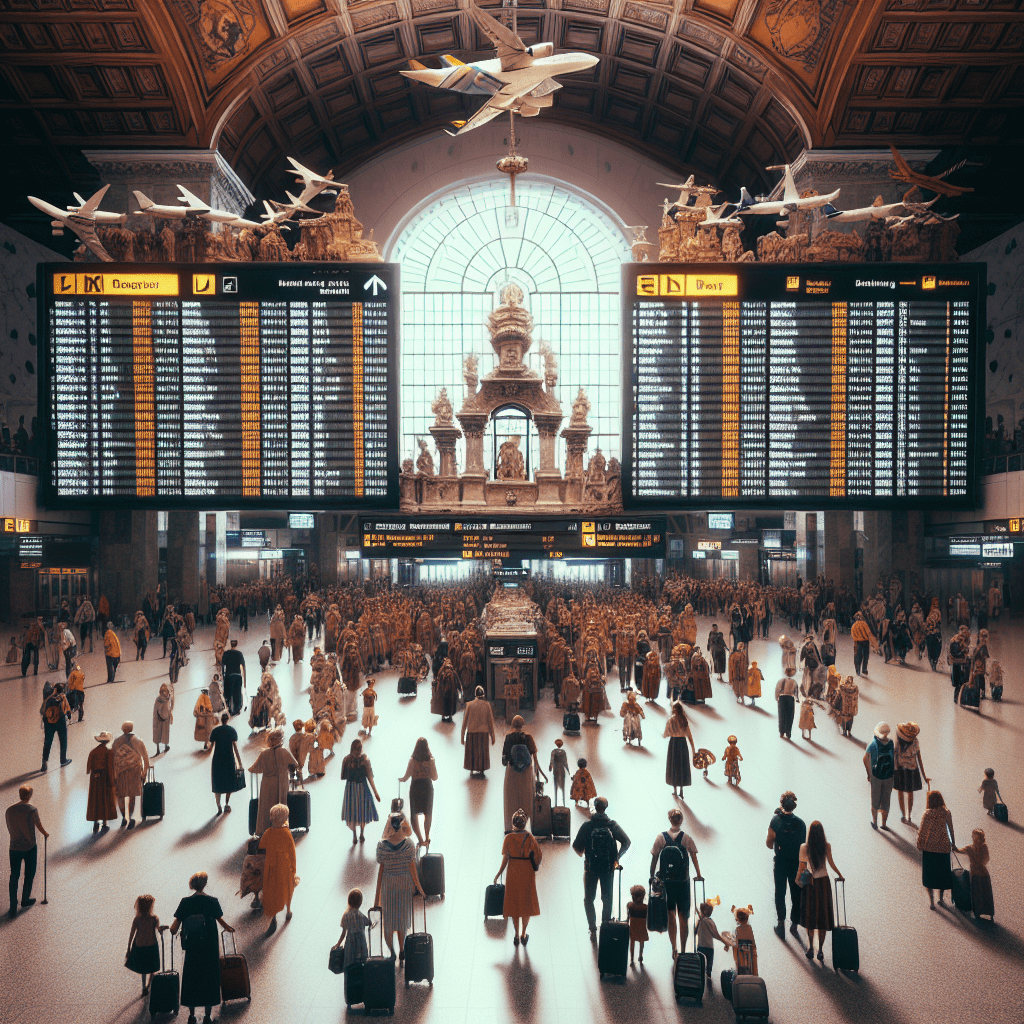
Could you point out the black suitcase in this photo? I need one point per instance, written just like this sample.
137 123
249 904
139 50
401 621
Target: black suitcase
165 986
845 946
1001 812
299 806
997 691
494 900
613 943
254 805
379 975
571 719
727 978
657 907
419 952
638 672
152 797
961 887
540 819
688 979
354 983
561 823
407 686
749 997
431 872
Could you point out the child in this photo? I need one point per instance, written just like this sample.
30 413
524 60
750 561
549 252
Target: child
353 930
989 790
995 678
12 652
316 753
558 766
744 952
981 883
707 932
806 719
143 956
299 743
631 713
583 787
636 912
732 757
570 690
369 700
754 680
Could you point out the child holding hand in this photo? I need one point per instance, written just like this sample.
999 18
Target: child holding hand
636 913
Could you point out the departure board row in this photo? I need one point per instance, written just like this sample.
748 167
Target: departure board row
814 385
239 385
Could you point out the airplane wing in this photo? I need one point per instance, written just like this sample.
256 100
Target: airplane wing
486 113
86 231
452 62
193 200
89 208
511 49
546 88
901 165
789 194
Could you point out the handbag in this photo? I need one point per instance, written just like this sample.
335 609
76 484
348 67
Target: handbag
804 878
336 960
239 783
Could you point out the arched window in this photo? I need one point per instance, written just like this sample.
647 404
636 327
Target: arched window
457 253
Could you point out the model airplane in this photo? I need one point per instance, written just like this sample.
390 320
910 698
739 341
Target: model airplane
193 206
716 218
878 210
905 173
520 80
312 183
685 191
82 220
791 199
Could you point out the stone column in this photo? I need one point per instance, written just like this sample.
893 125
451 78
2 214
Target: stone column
327 543
128 559
183 557
840 547
474 479
576 440
548 477
877 550
443 489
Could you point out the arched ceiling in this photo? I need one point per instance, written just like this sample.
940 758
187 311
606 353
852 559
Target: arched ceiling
718 87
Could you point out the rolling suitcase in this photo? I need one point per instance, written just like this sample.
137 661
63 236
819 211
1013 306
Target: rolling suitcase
234 973
845 947
354 983
961 887
254 805
540 819
638 672
494 900
1001 812
561 823
613 943
657 907
997 691
726 980
749 997
299 805
407 686
379 975
688 977
152 797
431 871
571 719
165 986
419 951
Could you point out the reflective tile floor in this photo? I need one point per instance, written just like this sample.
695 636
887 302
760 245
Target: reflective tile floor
64 961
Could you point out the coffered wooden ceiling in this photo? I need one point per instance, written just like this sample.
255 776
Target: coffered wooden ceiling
717 87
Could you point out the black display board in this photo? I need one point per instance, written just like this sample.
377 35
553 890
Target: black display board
219 385
805 386
486 537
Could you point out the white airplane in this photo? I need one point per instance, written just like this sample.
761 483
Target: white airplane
277 213
82 220
313 183
193 206
521 79
791 199
716 218
877 210
685 191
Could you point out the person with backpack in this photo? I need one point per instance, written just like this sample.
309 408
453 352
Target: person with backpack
786 834
519 756
601 842
55 711
670 862
880 764
130 759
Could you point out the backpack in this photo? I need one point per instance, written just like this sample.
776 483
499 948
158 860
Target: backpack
602 850
885 763
519 757
788 838
674 862
53 710
193 932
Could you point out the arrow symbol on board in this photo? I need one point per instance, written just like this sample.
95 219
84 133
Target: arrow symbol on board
376 283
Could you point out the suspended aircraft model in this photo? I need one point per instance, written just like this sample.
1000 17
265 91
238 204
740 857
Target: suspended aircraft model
879 210
718 218
82 220
193 206
519 80
790 199
904 172
685 191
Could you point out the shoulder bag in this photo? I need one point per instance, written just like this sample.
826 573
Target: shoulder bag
239 783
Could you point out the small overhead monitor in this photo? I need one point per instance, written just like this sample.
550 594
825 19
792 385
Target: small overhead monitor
300 520
720 520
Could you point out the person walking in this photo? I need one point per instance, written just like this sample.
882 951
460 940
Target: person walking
910 771
880 764
358 807
35 637
935 840
68 646
863 641
206 720
786 834
477 734
670 862
233 667
55 711
197 917
22 824
279 877
677 760
274 764
785 697
601 842
76 690
397 882
102 804
519 756
521 855
817 914
163 717
225 763
423 772
131 762
111 651
85 616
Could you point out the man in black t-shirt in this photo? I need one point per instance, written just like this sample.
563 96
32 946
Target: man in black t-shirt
786 834
233 666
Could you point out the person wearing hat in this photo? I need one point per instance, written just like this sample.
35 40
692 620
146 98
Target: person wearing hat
274 764
279 878
130 760
163 716
880 765
909 769
102 806
477 734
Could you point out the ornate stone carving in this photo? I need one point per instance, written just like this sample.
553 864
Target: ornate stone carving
510 461
469 373
425 461
442 409
580 408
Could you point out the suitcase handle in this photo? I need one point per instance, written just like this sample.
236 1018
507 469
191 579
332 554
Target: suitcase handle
697 903
162 964
224 942
380 914
423 898
843 880
952 847
619 916
151 774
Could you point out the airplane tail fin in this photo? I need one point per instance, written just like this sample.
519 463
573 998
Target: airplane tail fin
417 66
145 203
452 62
746 199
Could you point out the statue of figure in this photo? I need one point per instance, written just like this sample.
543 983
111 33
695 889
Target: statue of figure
469 374
407 467
550 366
425 462
580 408
510 461
594 482
442 409
614 490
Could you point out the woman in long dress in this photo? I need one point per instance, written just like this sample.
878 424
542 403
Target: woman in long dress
273 764
519 755
102 806
223 762
650 684
631 713
521 855
677 761
205 718
397 882
163 717
700 676
279 878
358 807
816 911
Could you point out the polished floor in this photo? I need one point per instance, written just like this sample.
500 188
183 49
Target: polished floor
64 961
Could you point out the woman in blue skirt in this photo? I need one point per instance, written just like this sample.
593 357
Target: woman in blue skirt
359 806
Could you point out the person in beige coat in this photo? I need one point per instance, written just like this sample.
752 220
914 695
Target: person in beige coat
130 759
273 764
478 725
206 720
163 717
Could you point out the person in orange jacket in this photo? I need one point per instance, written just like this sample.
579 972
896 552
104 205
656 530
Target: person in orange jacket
112 650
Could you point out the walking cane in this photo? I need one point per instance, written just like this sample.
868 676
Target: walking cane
45 900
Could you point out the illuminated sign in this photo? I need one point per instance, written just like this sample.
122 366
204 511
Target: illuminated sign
30 546
730 556
962 550
300 520
271 554
709 545
997 550
720 520
18 525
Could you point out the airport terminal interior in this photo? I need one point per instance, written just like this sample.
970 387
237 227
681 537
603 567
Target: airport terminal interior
633 381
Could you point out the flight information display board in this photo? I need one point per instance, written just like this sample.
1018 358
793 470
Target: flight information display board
814 385
219 385
484 537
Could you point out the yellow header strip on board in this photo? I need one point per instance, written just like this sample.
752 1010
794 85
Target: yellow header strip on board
687 286
136 285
